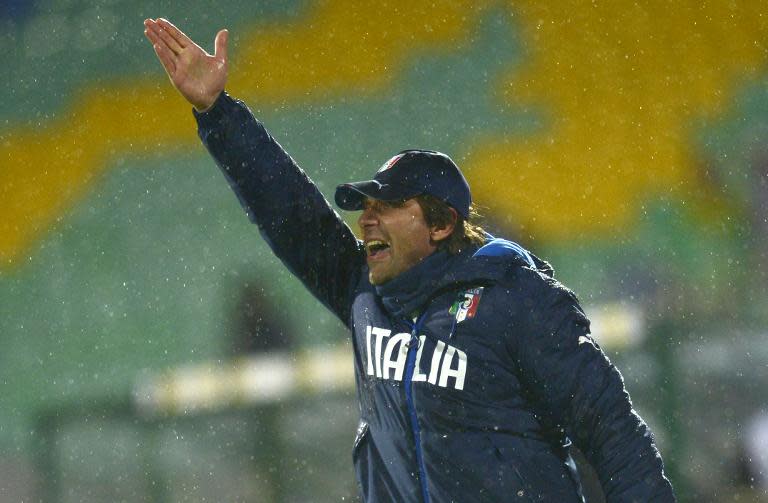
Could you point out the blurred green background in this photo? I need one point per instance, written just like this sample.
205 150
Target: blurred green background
625 143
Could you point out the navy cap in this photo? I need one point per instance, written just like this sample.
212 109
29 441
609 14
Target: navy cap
409 174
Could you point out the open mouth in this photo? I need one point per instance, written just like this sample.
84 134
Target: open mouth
376 247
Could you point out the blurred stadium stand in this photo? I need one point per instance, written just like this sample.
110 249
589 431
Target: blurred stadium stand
624 143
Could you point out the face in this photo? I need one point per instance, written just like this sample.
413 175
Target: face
396 237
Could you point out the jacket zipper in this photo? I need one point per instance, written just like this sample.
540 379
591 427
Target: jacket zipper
410 367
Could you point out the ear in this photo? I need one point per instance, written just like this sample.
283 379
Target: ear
438 233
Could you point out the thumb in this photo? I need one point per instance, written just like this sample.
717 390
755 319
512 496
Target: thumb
220 45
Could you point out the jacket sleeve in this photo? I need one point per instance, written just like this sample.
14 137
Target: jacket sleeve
583 393
291 213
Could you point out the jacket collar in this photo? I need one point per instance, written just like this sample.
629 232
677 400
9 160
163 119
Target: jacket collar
408 293
404 295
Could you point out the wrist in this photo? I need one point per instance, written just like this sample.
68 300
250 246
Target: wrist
213 112
202 108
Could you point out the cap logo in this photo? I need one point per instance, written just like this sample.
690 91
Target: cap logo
389 163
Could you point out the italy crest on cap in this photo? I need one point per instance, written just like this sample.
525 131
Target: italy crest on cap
390 163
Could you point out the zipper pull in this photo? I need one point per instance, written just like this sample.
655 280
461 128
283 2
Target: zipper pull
414 333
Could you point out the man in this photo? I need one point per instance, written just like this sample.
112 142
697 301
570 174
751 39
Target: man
474 366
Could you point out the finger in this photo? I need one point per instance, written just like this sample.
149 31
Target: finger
152 26
176 33
152 31
158 41
152 36
166 57
220 45
170 41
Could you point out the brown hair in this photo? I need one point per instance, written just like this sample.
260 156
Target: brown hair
465 232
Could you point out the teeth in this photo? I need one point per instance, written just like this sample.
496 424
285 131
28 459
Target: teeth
375 245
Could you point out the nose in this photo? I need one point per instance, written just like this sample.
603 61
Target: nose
367 218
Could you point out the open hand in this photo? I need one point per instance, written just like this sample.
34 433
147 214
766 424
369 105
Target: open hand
197 75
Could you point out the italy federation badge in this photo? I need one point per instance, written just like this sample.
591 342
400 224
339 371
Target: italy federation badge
466 306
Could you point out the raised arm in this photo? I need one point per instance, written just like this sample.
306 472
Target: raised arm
294 218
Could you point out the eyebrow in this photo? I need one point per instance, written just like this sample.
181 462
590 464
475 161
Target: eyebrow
367 202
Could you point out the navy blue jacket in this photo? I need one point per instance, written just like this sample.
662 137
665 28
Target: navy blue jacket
473 376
